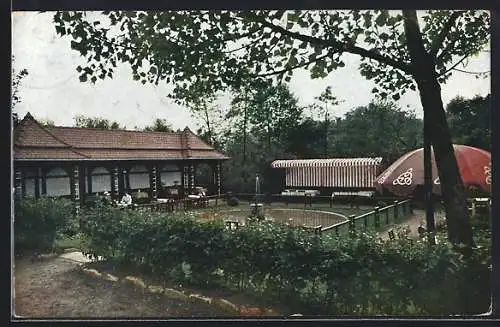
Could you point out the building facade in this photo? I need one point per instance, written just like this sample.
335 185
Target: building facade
334 173
79 162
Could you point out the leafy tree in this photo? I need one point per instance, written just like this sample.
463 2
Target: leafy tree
46 122
159 125
260 119
272 111
16 83
379 129
206 111
305 140
203 52
95 122
326 99
470 121
267 111
240 177
239 109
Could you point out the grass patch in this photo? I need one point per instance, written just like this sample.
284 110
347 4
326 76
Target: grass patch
65 242
345 210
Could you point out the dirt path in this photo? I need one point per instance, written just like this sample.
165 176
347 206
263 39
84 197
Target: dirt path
57 288
413 223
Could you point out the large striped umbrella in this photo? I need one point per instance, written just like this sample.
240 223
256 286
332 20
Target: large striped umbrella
404 175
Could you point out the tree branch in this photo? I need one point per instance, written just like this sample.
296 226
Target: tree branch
293 67
474 73
338 46
444 32
244 46
455 65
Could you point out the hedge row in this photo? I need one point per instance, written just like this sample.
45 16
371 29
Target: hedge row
316 275
38 222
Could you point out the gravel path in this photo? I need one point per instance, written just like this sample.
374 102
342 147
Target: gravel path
413 223
56 288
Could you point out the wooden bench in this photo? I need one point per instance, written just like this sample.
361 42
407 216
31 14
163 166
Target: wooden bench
476 204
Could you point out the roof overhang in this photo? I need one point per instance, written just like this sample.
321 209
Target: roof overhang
334 162
120 159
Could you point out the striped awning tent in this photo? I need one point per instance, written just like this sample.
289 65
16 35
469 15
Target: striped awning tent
334 172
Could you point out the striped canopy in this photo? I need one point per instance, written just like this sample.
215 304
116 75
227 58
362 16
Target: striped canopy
336 162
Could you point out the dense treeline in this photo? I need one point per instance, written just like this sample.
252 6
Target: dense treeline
265 123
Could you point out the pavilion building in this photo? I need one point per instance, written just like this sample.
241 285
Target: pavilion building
78 162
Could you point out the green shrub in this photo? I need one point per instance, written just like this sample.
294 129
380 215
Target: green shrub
481 221
316 275
37 222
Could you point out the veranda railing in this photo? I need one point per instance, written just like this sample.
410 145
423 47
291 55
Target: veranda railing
374 220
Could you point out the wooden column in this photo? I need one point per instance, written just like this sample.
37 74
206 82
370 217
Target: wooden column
153 182
121 180
23 185
89 179
81 184
115 187
44 181
75 188
37 183
185 179
191 178
18 182
217 173
213 183
127 179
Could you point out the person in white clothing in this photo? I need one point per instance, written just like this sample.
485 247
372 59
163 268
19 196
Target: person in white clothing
126 200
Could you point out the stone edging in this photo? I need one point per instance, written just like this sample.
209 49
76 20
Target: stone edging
139 285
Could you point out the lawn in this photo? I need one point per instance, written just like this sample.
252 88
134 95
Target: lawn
342 209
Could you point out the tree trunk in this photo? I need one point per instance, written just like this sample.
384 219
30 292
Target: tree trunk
452 188
326 134
207 121
428 181
268 126
245 132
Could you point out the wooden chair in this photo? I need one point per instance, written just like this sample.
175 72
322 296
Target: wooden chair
392 236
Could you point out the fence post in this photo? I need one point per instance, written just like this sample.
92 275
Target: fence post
410 203
377 217
352 223
307 200
396 210
387 216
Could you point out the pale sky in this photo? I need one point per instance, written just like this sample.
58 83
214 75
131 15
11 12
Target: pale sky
52 89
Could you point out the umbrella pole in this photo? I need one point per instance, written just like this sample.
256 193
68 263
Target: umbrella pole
429 208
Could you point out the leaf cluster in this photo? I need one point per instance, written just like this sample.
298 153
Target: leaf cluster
37 222
203 52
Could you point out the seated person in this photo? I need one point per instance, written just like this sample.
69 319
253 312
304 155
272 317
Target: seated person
125 201
141 197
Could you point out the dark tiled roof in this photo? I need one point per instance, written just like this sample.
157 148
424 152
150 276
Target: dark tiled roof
33 141
47 153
